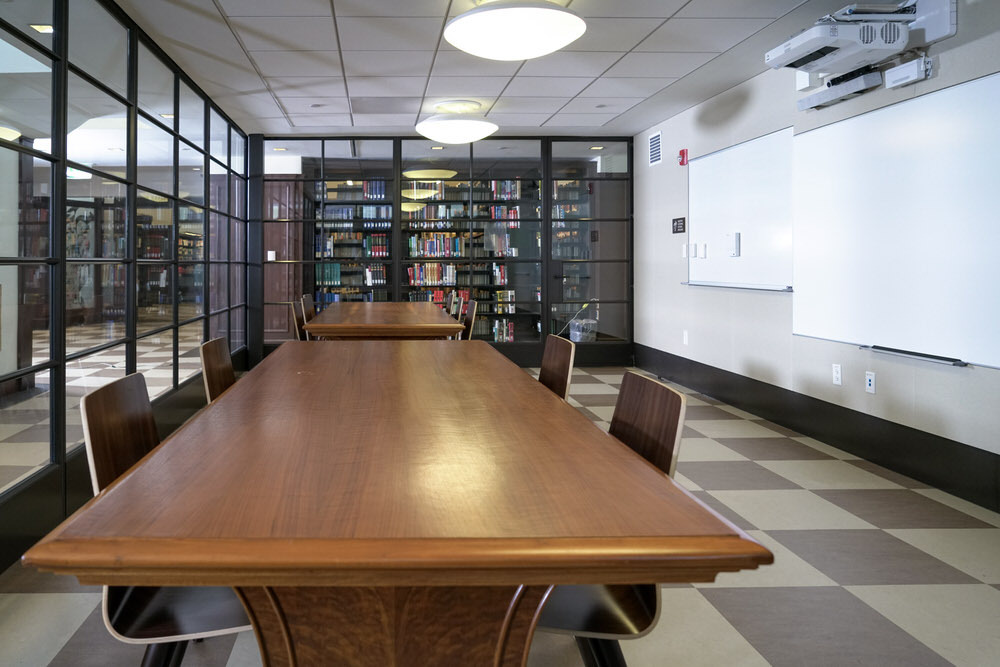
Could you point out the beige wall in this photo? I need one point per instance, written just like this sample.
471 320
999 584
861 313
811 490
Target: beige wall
749 332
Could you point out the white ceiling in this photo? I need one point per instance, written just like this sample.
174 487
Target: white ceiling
375 67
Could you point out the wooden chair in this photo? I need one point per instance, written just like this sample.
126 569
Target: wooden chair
299 321
216 367
457 311
468 320
119 429
308 307
449 303
557 365
649 418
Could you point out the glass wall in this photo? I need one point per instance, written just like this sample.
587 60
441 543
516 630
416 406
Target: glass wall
114 257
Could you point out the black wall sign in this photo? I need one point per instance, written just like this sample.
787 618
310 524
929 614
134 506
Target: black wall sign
679 225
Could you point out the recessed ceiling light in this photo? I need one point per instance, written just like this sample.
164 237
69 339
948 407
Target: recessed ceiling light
195 168
350 182
9 133
433 174
458 106
43 28
168 116
437 148
279 148
514 29
597 148
454 128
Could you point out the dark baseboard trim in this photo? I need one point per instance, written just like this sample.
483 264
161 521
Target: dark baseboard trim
959 469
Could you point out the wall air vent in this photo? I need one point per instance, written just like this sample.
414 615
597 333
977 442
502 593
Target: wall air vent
867 33
655 156
890 32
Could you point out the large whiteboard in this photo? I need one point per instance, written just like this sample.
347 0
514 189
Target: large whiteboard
743 189
897 226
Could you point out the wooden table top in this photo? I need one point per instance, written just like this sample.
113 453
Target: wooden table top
392 463
378 319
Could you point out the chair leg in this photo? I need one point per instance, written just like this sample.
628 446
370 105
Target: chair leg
600 652
169 654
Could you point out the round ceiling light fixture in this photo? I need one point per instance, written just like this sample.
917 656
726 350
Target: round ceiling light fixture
430 174
456 128
514 30
411 206
419 193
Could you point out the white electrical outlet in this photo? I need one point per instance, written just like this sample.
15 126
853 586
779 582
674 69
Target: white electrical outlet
870 382
836 374
684 336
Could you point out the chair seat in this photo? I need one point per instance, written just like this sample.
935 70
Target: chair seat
597 611
144 613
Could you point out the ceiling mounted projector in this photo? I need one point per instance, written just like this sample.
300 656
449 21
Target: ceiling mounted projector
514 30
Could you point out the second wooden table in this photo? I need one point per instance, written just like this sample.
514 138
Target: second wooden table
368 320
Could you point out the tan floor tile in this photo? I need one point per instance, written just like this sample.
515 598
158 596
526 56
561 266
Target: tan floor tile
706 449
980 513
609 379
35 626
731 428
686 483
975 551
970 637
828 475
551 649
24 453
787 570
789 509
739 413
604 412
245 652
7 430
591 389
825 448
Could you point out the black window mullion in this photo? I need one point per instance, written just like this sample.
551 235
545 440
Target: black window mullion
57 249
131 224
174 266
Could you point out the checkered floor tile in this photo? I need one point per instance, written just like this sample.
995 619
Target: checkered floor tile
871 568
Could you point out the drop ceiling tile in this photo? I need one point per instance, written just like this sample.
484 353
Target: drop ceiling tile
541 86
315 105
297 33
307 86
599 105
701 35
389 34
570 63
390 7
508 120
318 120
385 105
608 86
639 8
580 119
271 8
249 104
461 86
273 125
297 63
548 105
659 64
387 86
612 35
459 63
378 119
743 9
387 63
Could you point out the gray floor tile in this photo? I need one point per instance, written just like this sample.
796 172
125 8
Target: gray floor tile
701 412
718 506
868 558
10 474
818 626
899 508
706 399
783 430
733 476
876 469
584 379
689 432
773 449
20 579
595 400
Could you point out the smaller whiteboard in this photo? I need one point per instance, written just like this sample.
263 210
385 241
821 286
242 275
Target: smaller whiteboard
742 190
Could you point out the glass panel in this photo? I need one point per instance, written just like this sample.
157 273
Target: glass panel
507 238
24 14
83 376
192 120
595 323
28 188
98 44
238 200
218 187
154 296
218 286
238 146
356 159
238 320
582 200
332 241
583 281
95 216
155 360
191 234
290 158
237 240
218 142
237 284
189 340
154 226
190 291
587 159
422 155
25 92
218 241
95 123
589 239
190 175
506 158
95 305
284 282
218 326
156 87
24 410
24 318
155 158
285 240
278 323
292 200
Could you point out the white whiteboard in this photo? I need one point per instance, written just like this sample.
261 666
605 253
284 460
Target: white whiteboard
743 189
897 226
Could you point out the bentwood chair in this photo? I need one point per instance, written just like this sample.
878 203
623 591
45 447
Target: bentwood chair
119 429
457 311
216 367
308 307
299 321
449 303
648 417
557 365
468 320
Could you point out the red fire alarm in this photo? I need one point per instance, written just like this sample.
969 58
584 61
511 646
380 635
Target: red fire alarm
682 157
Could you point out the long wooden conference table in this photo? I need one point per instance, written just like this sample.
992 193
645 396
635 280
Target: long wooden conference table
392 503
380 320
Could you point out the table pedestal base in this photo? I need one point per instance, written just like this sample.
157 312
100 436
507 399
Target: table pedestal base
394 627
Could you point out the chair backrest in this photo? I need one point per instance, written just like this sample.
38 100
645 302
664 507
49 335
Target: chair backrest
308 307
449 303
216 367
299 321
469 320
649 417
557 365
457 312
118 428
